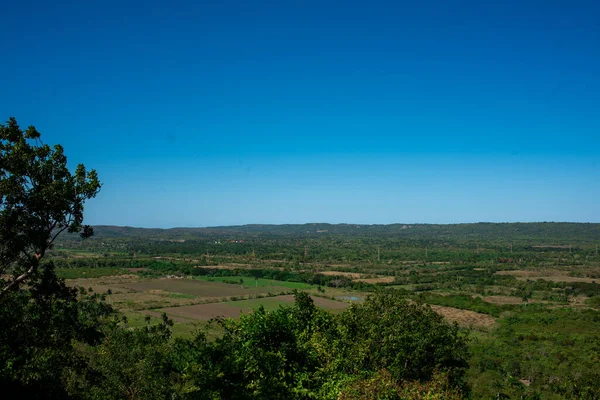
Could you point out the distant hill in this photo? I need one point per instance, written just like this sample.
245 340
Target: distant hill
557 231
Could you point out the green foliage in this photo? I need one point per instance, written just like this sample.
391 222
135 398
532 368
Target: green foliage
304 352
39 199
554 350
265 354
513 243
38 329
408 340
382 386
129 364
258 282
41 319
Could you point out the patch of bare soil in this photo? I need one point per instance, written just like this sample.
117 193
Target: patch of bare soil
85 256
159 315
352 275
548 275
193 287
205 311
136 269
465 317
503 299
103 281
578 300
224 266
380 279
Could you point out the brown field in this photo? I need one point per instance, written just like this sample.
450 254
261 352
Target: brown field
466 317
578 300
228 266
175 318
353 275
103 282
320 265
565 278
136 269
381 279
503 299
233 309
548 275
196 287
87 255
129 292
203 311
125 297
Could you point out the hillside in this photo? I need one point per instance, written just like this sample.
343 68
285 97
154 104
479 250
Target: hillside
551 232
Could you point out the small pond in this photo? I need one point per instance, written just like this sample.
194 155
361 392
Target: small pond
351 298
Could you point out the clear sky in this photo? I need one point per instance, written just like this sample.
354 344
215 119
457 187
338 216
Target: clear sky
222 112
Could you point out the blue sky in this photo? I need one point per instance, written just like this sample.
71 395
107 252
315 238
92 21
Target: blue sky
232 112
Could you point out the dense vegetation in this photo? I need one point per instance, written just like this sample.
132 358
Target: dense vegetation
330 243
72 348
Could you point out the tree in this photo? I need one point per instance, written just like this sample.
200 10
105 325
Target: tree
271 354
130 364
40 316
409 340
38 327
39 199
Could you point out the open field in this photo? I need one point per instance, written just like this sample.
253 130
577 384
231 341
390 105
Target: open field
351 275
189 302
131 292
381 279
194 287
230 266
466 318
548 275
72 273
202 311
258 283
233 309
503 299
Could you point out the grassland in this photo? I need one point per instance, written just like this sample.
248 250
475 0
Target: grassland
258 283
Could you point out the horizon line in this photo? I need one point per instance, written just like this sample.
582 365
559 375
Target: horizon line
348 223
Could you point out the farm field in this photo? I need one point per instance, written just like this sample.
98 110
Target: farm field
192 302
232 309
555 276
511 305
128 288
466 318
259 283
194 287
